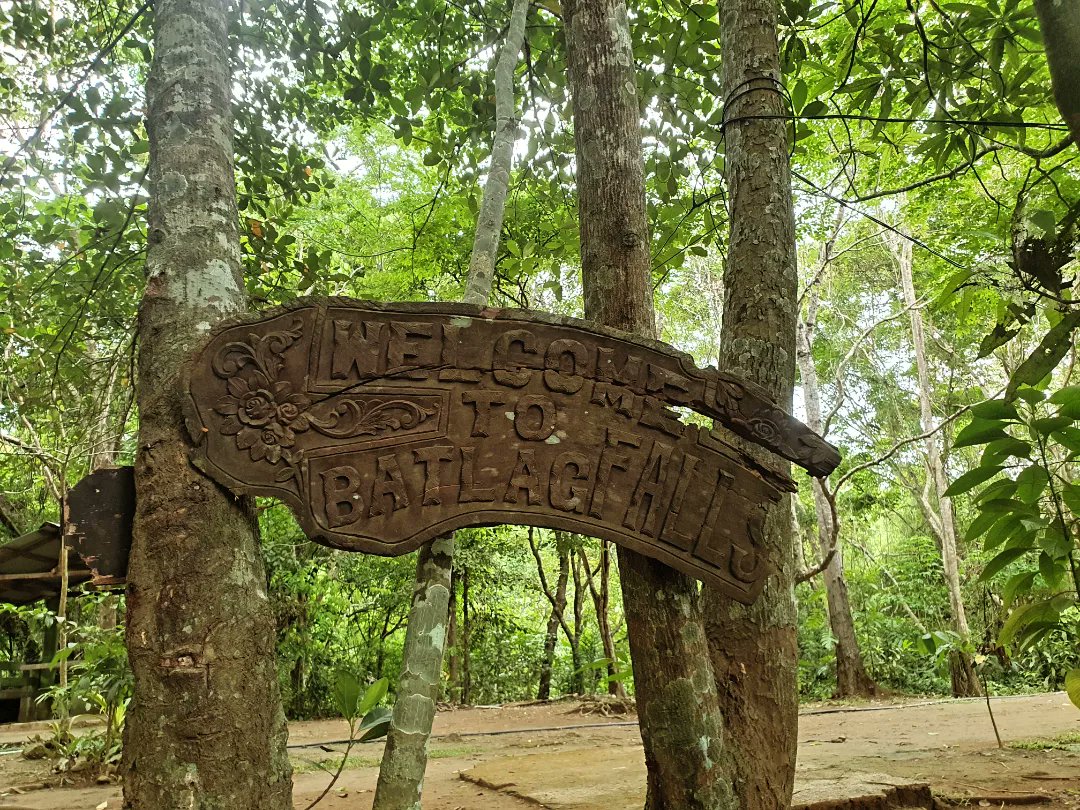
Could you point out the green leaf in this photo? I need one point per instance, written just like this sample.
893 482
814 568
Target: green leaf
1017 585
1030 395
1070 493
980 431
1072 686
347 694
980 525
1045 221
376 723
1068 394
1068 437
995 409
1050 571
1001 532
1031 483
1001 449
1003 559
373 696
971 479
1049 424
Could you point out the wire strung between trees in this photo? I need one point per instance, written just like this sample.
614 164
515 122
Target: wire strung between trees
776 86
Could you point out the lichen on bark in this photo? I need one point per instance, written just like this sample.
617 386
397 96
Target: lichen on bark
681 727
205 728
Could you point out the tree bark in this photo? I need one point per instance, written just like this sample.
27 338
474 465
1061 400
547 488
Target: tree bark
676 694
401 775
205 728
852 679
1059 21
404 761
557 600
942 521
453 641
601 597
753 648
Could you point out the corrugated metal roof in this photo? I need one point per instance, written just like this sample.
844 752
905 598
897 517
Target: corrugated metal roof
30 567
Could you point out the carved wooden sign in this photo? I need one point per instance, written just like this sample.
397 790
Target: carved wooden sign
385 425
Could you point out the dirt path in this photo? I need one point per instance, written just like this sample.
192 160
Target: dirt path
558 757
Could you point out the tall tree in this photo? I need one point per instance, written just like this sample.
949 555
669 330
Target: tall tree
1060 24
401 775
852 679
677 705
205 728
936 506
753 648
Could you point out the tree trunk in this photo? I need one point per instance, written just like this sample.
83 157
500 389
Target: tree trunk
453 641
964 680
851 677
205 728
466 637
1059 21
401 776
577 684
404 761
557 600
676 695
601 599
753 648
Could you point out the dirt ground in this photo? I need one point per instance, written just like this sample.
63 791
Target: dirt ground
556 756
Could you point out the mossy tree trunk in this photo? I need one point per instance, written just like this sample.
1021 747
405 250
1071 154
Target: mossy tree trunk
401 774
753 648
677 705
205 729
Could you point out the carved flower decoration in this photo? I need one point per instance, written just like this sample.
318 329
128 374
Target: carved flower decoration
764 430
263 415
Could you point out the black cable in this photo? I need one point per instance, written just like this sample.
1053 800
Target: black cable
878 221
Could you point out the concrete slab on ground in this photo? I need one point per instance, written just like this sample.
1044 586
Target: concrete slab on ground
613 778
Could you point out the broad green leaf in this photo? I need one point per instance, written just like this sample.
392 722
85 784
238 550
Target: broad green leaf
981 431
971 479
1002 560
1048 424
373 696
1070 493
1031 483
995 409
1001 449
1001 532
1072 686
1068 437
1050 571
376 723
1068 394
982 522
347 694
1018 585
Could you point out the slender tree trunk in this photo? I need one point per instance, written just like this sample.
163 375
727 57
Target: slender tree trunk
466 639
453 641
557 599
753 648
965 683
677 705
401 775
1059 21
852 679
205 728
601 600
578 681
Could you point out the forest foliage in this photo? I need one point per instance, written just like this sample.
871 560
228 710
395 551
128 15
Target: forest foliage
925 140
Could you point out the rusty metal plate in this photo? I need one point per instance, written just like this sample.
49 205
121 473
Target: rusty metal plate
99 511
385 425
